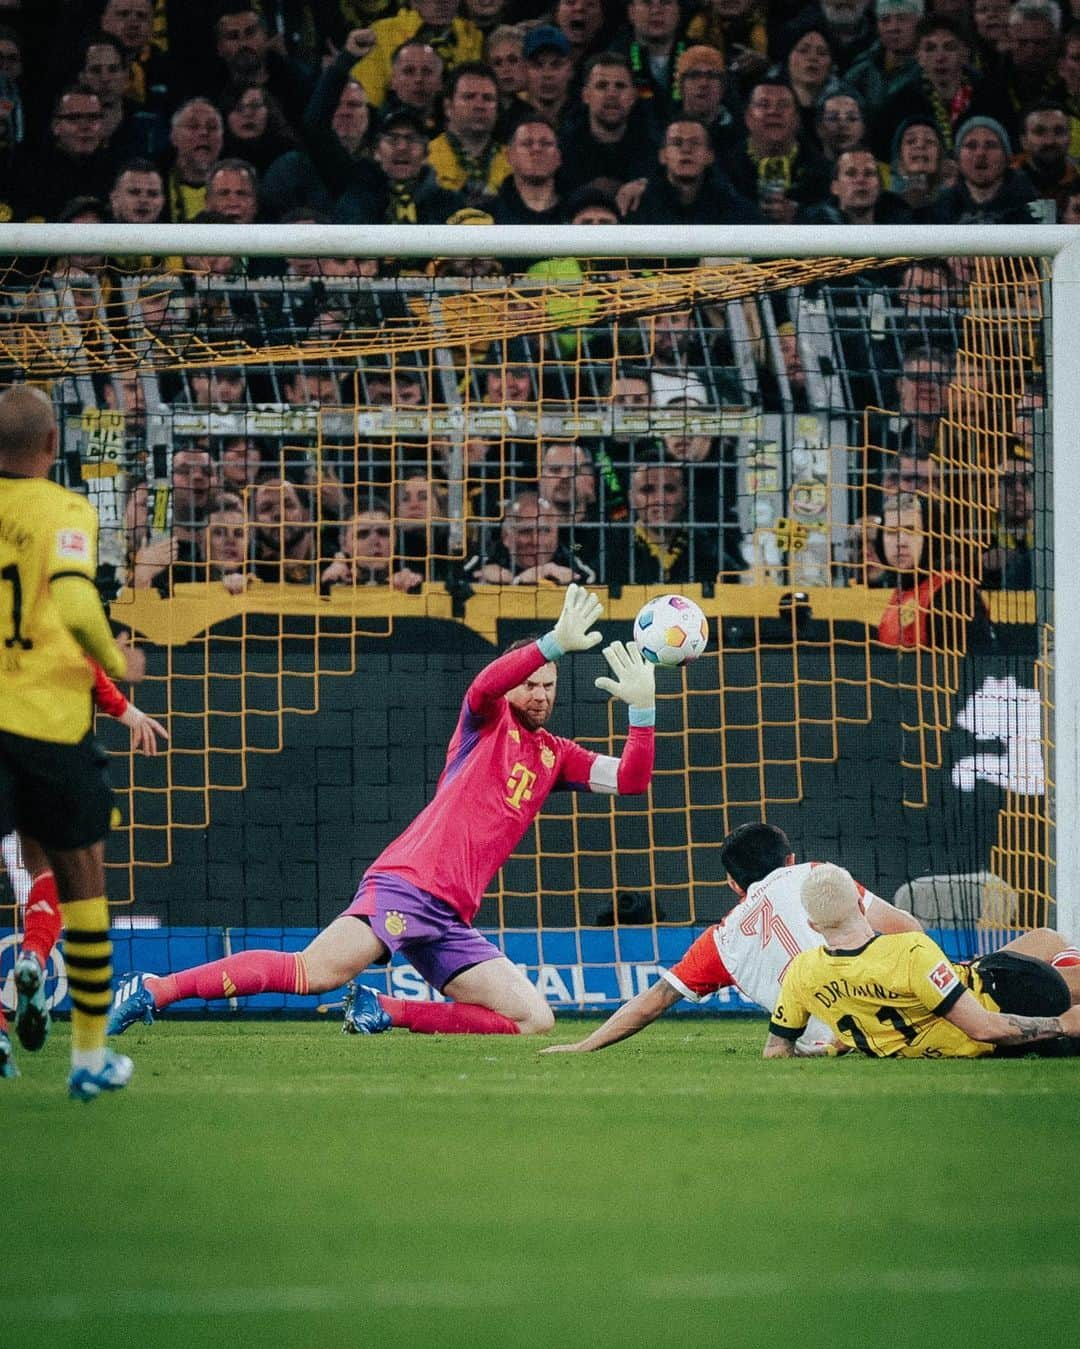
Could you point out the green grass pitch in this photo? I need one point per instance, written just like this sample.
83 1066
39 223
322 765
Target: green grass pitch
277 1184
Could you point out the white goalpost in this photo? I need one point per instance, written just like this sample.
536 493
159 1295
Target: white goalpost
1059 245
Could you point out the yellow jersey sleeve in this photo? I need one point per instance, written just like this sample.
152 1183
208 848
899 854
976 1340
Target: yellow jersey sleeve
70 538
791 1013
48 538
931 977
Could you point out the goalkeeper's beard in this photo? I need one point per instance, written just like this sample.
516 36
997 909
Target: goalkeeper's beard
530 719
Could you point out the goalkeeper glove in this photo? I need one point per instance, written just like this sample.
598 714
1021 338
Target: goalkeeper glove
580 611
634 682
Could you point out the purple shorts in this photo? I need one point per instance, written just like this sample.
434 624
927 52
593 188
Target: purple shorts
427 932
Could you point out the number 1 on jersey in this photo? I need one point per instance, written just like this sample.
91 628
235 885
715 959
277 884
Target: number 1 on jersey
10 574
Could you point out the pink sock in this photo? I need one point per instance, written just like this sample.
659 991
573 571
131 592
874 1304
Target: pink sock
1070 956
234 977
447 1018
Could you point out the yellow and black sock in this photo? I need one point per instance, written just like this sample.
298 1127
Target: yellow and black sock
88 957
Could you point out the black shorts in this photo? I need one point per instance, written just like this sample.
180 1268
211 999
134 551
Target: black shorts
58 794
1023 984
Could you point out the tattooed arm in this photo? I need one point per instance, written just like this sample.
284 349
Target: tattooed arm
1008 1028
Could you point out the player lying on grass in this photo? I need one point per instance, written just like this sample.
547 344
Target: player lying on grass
53 781
898 996
751 947
421 895
42 921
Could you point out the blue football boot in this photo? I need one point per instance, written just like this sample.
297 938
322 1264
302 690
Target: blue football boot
363 1014
132 1002
86 1085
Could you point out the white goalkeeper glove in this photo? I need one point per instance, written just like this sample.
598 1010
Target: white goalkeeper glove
580 611
635 680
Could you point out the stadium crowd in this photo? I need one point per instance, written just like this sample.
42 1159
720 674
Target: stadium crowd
514 111
652 111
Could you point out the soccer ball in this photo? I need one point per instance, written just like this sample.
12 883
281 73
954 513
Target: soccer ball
671 630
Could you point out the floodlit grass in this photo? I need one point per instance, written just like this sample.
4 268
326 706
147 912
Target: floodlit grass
277 1184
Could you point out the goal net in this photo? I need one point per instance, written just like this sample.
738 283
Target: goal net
331 488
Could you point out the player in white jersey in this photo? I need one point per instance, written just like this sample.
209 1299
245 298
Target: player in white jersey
753 945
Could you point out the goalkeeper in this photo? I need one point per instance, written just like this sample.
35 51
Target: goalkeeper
421 895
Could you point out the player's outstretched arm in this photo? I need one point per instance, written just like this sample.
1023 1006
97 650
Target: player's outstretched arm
1007 1028
572 632
632 1016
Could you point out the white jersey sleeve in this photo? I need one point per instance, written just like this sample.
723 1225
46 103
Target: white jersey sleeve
761 936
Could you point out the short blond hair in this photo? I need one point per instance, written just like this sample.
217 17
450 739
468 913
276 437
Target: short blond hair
830 896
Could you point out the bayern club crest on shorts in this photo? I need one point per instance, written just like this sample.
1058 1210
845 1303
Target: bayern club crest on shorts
395 923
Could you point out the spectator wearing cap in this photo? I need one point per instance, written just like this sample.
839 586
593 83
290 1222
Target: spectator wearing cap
989 191
397 186
774 166
890 60
689 189
652 42
416 81
857 196
436 22
247 60
531 195
549 70
76 160
702 80
1044 142
942 86
919 170
607 142
467 157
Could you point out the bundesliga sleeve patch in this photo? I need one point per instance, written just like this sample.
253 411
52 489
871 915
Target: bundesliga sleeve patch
943 976
73 544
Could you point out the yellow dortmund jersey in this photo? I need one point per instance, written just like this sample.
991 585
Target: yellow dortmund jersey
45 677
888 999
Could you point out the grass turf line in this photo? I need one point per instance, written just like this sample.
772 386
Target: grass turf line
279 1184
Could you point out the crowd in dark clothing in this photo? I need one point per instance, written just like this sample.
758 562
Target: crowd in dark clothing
720 111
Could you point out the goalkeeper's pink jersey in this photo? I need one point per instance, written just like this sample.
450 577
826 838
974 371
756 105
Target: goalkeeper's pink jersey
496 777
754 944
